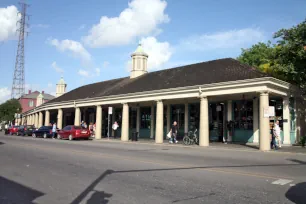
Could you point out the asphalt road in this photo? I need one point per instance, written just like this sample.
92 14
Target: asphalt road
57 171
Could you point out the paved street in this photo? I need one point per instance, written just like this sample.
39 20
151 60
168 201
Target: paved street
56 171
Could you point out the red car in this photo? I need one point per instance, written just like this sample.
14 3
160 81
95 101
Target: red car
13 130
73 132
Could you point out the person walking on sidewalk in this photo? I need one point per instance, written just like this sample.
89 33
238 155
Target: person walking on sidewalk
275 135
173 133
115 127
53 130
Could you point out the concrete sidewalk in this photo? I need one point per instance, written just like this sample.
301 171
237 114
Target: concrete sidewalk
213 145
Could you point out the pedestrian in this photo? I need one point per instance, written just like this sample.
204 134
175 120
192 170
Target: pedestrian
85 125
173 133
115 127
94 129
53 130
275 135
91 128
82 123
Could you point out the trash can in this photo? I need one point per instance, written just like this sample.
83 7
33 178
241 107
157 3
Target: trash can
134 136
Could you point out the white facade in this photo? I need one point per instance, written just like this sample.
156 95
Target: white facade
61 87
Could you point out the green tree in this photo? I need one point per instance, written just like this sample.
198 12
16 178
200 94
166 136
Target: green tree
8 110
291 53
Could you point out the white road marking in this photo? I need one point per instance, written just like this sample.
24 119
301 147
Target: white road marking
281 182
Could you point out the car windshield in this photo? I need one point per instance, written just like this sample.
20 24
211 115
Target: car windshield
77 127
30 126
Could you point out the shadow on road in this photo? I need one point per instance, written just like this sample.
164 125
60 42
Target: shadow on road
12 192
1 143
98 196
296 194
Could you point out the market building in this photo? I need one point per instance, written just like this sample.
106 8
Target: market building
223 99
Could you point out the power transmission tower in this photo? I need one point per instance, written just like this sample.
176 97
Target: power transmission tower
18 88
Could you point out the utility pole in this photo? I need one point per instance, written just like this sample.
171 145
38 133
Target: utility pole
18 88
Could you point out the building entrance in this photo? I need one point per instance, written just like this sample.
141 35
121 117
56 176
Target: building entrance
216 122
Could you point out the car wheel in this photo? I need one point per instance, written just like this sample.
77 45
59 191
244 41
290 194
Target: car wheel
70 137
45 136
33 135
59 136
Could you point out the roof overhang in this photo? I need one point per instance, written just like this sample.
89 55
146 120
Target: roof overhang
265 84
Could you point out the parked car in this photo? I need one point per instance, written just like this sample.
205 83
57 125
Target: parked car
73 132
13 130
26 130
43 131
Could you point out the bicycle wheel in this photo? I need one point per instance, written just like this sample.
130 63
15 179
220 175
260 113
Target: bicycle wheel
186 140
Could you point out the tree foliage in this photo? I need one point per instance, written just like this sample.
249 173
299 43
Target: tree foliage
8 110
285 60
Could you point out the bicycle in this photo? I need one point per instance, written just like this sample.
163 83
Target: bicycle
191 138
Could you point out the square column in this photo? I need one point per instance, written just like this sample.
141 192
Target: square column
229 118
152 122
60 119
159 136
47 118
186 118
286 125
98 133
204 123
264 127
168 117
138 120
255 121
125 123
77 116
40 119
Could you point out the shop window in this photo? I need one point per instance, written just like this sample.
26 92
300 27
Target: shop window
145 118
177 112
278 105
243 115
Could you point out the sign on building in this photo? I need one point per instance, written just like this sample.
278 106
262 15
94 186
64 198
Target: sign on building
110 110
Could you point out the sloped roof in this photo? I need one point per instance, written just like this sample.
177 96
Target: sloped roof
34 95
215 71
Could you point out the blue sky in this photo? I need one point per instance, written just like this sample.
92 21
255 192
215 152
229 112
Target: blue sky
90 41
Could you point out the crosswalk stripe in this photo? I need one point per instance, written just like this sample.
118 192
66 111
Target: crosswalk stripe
281 182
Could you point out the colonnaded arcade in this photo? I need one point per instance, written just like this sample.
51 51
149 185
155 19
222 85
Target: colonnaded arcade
205 96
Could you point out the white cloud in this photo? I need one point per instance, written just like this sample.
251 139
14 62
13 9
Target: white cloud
83 73
141 18
5 94
50 85
159 53
73 47
57 68
82 27
98 71
223 40
8 23
105 64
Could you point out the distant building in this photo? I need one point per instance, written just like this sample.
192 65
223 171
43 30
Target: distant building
34 99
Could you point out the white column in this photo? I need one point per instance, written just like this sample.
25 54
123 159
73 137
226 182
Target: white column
264 128
186 122
159 136
40 119
138 120
113 121
59 119
98 133
204 123
168 117
255 121
152 122
286 125
47 118
36 120
229 118
77 116
125 123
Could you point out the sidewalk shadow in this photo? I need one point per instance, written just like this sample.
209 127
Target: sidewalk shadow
12 192
1 143
296 194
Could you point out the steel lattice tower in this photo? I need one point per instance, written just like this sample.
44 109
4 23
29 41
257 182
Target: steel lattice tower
18 88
